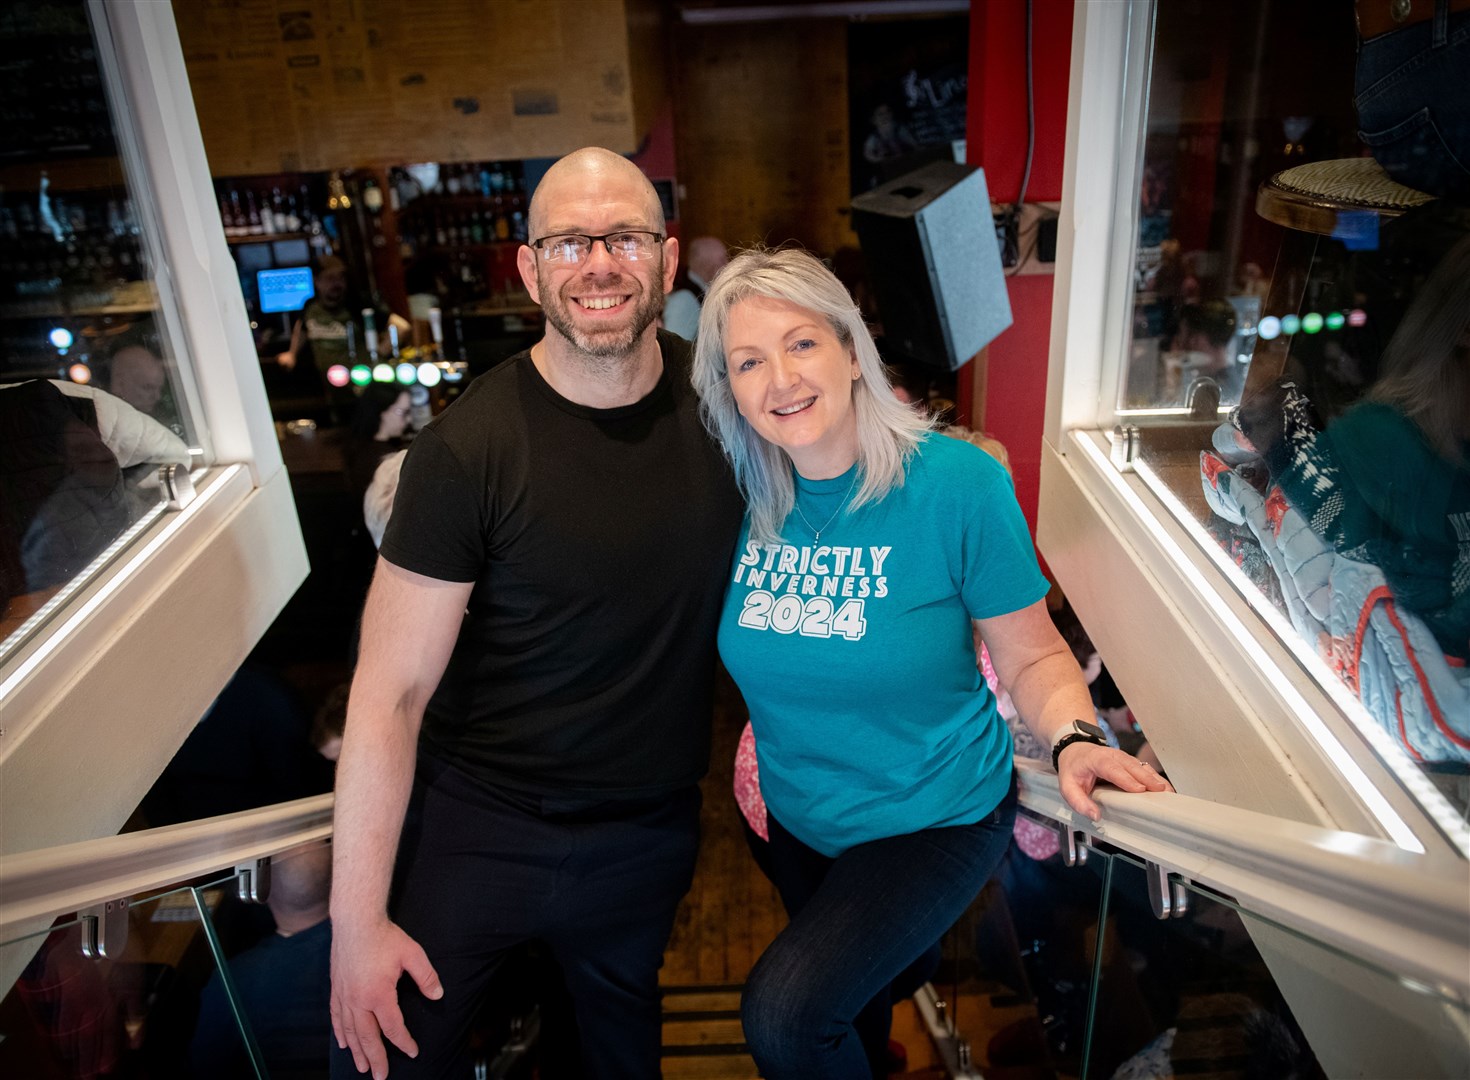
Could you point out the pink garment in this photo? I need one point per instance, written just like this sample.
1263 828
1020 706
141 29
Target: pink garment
748 785
1035 840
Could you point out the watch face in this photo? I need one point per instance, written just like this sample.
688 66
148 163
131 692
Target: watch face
1089 729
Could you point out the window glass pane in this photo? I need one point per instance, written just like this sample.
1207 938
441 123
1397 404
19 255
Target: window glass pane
1298 360
129 1012
1219 991
92 398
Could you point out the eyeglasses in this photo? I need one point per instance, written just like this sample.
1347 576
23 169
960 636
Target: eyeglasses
572 248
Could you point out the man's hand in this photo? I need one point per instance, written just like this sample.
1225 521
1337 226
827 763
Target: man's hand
1081 765
366 965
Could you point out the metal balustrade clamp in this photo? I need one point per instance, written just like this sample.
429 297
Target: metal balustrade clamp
1075 845
176 485
104 929
1166 893
255 880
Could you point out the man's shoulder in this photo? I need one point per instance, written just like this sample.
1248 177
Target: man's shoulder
497 391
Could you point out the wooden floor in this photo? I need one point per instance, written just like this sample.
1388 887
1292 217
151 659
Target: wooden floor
729 917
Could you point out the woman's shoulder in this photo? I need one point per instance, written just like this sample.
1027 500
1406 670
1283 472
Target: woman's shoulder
947 460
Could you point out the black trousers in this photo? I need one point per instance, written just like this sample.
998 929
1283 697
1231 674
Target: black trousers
480 871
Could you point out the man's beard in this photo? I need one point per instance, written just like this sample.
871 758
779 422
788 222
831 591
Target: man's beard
612 342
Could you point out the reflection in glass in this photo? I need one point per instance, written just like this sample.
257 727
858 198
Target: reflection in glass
128 1014
1207 994
1187 995
1298 363
91 403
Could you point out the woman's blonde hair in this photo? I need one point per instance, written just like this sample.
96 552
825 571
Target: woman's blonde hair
1426 367
888 431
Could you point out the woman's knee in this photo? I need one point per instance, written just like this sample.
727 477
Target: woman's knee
784 1015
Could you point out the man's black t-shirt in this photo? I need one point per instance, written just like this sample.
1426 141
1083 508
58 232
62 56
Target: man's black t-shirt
598 541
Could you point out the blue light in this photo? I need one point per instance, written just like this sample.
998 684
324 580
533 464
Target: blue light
1269 328
61 337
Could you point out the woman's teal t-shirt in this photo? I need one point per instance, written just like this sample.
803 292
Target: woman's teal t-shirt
855 656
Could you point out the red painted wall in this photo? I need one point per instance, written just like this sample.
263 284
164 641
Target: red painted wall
996 141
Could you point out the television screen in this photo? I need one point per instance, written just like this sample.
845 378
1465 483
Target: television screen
284 290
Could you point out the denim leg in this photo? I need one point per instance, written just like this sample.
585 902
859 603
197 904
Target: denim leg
1412 109
877 908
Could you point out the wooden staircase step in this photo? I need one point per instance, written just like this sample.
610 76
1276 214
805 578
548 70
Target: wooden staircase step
679 999
702 1038
703 1029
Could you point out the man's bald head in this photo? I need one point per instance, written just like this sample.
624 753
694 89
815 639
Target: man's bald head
589 173
706 255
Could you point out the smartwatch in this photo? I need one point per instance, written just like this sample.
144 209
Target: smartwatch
1076 731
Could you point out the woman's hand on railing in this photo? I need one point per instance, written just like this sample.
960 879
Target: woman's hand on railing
1081 765
366 965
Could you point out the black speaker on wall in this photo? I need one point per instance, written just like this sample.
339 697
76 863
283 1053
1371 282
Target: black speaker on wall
929 242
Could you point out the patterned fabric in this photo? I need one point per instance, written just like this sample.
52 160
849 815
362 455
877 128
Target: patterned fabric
748 785
1345 608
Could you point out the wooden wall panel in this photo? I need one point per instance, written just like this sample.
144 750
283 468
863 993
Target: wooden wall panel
761 121
307 85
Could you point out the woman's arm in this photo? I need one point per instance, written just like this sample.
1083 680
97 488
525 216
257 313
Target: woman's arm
1033 662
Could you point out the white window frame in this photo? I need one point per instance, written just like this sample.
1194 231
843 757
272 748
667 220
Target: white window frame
1236 714
95 705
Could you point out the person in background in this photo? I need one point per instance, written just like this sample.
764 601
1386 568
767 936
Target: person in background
281 983
331 331
1202 361
379 423
681 312
885 768
538 644
138 376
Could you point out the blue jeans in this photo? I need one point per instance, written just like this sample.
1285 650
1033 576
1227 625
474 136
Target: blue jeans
481 871
857 922
1413 106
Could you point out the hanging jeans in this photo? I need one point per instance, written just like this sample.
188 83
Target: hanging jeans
1413 107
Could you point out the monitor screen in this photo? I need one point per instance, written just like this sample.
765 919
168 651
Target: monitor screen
284 290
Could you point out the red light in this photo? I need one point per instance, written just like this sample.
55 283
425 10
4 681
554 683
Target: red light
338 375
1357 317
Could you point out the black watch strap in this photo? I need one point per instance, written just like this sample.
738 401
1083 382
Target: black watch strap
1068 740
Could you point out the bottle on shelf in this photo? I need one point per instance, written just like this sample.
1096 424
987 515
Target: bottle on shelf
254 225
268 217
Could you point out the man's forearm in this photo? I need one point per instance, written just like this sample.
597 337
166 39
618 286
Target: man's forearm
374 777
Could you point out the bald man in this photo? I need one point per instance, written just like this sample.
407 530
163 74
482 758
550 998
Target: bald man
681 314
530 714
281 982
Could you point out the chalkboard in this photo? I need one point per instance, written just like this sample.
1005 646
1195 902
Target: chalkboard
906 95
53 103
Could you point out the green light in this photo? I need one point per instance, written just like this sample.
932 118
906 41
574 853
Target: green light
383 373
1290 324
1335 319
362 375
406 373
1311 322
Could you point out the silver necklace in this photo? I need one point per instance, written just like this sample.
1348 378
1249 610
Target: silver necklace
817 533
